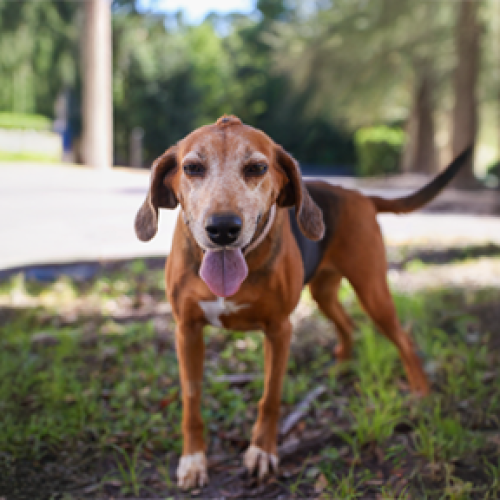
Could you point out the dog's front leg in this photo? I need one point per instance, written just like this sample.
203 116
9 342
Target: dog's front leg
261 456
192 470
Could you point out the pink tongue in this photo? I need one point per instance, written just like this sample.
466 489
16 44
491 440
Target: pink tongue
223 271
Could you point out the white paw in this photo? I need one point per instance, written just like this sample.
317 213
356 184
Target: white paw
257 460
192 471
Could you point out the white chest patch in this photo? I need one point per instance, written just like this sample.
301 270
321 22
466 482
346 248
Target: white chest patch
215 308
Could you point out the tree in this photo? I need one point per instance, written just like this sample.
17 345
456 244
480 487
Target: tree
421 154
169 78
464 125
267 99
97 88
372 62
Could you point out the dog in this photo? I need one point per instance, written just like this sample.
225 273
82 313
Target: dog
250 235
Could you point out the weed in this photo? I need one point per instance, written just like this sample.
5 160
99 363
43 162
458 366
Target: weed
297 482
129 470
442 438
348 486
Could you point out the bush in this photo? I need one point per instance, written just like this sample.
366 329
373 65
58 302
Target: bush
494 169
378 149
492 178
20 121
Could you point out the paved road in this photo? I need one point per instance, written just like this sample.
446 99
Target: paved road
56 213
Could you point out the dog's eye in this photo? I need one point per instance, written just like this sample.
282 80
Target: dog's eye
194 169
255 169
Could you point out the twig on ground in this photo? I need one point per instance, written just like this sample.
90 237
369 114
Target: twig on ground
301 409
237 378
129 315
312 439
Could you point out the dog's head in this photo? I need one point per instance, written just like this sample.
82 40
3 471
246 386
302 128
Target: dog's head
226 177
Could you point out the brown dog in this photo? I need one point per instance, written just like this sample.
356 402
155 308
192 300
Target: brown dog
236 237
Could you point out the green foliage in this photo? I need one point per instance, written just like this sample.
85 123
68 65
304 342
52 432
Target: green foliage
266 98
440 437
494 169
359 60
306 74
378 149
20 121
39 53
168 77
170 80
152 85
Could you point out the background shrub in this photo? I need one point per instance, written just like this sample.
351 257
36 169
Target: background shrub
378 149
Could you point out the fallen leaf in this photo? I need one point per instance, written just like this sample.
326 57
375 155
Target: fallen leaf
320 484
312 472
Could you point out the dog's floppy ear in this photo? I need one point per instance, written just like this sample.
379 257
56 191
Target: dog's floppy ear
160 195
294 193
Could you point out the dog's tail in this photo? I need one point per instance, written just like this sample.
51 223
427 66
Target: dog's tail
427 193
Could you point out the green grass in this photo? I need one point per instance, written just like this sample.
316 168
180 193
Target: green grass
441 438
67 397
23 121
81 387
10 157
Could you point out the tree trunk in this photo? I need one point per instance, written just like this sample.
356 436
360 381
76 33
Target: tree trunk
464 124
420 153
97 83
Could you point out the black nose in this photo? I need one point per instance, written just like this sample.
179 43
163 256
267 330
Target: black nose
223 229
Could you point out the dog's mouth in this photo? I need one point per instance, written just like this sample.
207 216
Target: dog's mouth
223 270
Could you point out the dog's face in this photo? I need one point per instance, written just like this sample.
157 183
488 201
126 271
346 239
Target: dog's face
226 176
226 183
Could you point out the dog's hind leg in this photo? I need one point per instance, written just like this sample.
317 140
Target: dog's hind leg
324 290
359 255
373 293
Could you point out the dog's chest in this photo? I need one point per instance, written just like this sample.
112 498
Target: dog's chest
214 309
